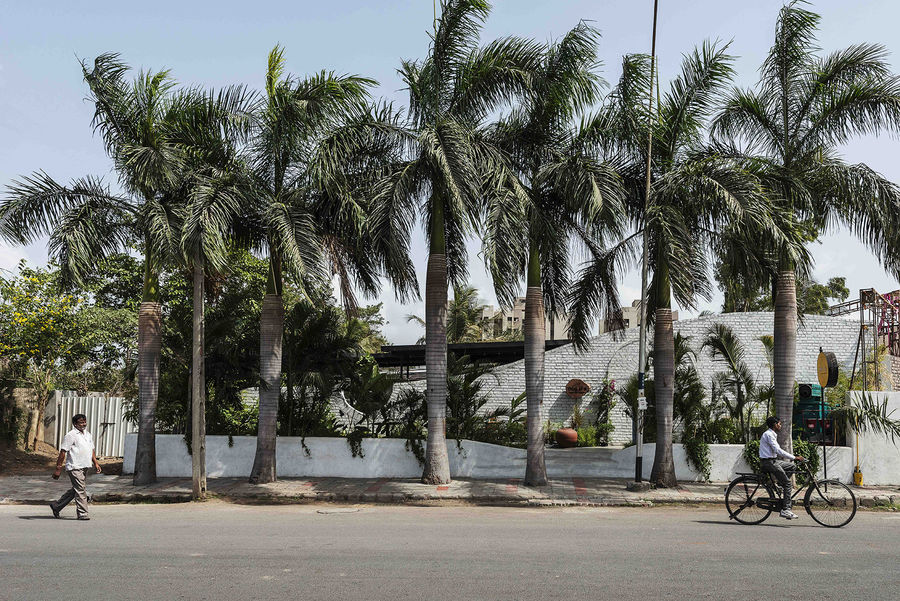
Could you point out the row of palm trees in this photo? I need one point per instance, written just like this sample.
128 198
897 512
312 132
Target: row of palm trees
327 182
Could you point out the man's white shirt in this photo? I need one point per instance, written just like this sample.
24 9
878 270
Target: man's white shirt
768 446
79 448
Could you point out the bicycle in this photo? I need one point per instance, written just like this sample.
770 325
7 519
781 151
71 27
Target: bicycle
749 499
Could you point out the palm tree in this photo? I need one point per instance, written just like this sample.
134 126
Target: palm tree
789 130
301 208
208 131
555 191
86 222
440 177
737 379
465 320
695 194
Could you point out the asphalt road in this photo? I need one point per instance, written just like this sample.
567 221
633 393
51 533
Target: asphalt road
221 552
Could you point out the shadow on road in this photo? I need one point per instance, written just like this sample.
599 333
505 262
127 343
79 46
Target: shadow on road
764 524
41 517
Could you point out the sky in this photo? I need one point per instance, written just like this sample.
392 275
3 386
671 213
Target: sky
45 121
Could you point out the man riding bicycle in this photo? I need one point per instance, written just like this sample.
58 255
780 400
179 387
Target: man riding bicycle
769 453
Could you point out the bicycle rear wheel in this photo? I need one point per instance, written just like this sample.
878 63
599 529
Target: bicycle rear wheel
741 500
830 503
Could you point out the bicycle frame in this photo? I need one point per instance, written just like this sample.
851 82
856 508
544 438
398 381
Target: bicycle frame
811 481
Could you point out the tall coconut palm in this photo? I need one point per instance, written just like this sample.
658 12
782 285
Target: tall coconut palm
209 130
451 93
86 222
294 190
789 128
554 192
694 196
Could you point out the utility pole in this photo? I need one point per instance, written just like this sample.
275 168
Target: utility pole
642 340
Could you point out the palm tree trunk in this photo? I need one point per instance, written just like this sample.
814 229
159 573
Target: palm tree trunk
437 461
535 467
785 360
149 344
663 472
198 388
271 329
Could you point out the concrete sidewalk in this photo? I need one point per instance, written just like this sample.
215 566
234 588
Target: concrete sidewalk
559 492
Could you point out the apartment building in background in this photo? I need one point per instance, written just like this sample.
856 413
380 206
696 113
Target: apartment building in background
631 317
499 321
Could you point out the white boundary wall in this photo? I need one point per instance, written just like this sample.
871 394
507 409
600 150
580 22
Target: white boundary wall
879 456
388 458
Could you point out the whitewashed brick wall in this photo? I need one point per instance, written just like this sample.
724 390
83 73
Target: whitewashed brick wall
617 359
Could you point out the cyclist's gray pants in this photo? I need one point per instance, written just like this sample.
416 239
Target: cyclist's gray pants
782 470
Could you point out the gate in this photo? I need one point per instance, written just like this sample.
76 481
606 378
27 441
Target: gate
105 417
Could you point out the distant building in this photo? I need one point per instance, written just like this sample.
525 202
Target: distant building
631 317
499 321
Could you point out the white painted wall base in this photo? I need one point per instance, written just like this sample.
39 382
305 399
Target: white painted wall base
388 458
879 456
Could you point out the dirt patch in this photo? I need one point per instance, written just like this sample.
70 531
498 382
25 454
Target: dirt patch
15 462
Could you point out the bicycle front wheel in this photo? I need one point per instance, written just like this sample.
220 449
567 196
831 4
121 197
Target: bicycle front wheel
741 500
830 503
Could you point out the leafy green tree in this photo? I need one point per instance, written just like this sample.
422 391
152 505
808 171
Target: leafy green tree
555 192
323 352
52 339
440 175
39 331
371 322
788 130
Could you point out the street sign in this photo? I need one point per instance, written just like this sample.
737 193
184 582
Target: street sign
827 369
642 403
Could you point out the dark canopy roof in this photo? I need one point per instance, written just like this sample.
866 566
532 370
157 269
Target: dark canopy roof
411 355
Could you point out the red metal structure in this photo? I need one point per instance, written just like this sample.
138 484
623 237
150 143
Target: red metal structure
880 312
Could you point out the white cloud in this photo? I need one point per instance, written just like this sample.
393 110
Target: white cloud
35 254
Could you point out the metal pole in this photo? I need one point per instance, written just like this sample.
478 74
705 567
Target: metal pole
875 341
642 335
822 431
862 333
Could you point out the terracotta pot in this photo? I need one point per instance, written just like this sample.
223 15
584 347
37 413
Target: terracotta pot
567 438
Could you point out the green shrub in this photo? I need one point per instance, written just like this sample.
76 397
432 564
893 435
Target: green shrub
724 430
697 452
587 436
603 431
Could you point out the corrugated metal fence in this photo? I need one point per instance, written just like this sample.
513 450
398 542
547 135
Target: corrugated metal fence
105 416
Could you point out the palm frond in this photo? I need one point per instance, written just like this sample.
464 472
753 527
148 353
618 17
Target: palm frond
33 205
493 76
868 414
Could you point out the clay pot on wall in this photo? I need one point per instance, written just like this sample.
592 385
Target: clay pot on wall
567 438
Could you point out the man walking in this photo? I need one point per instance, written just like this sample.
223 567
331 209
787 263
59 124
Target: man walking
769 459
77 453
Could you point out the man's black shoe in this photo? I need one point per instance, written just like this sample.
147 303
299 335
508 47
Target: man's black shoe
54 510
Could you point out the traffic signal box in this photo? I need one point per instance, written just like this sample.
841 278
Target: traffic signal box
811 415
